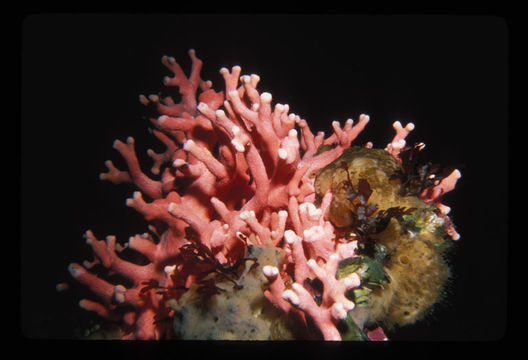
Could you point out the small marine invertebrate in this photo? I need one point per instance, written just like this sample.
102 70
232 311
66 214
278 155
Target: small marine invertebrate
304 234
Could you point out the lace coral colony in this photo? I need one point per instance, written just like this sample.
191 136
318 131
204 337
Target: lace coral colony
257 178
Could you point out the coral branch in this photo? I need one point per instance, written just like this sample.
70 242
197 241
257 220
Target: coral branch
398 142
237 172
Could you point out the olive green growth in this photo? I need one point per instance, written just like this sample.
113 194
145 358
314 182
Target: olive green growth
234 314
405 276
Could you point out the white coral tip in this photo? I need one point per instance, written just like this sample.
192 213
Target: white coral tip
334 257
352 281
75 270
171 206
169 270
290 236
202 107
338 311
238 145
153 98
246 214
178 163
312 264
188 144
119 294
292 297
283 154
265 97
270 271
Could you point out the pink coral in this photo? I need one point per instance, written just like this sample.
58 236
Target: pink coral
233 166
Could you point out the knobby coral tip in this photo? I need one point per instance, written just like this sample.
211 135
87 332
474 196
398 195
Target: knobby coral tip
75 270
265 97
444 209
338 311
352 280
143 99
244 215
202 107
292 297
172 206
119 294
290 236
270 271
188 144
283 154
238 145
178 163
169 269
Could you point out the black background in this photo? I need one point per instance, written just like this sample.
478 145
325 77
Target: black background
82 74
